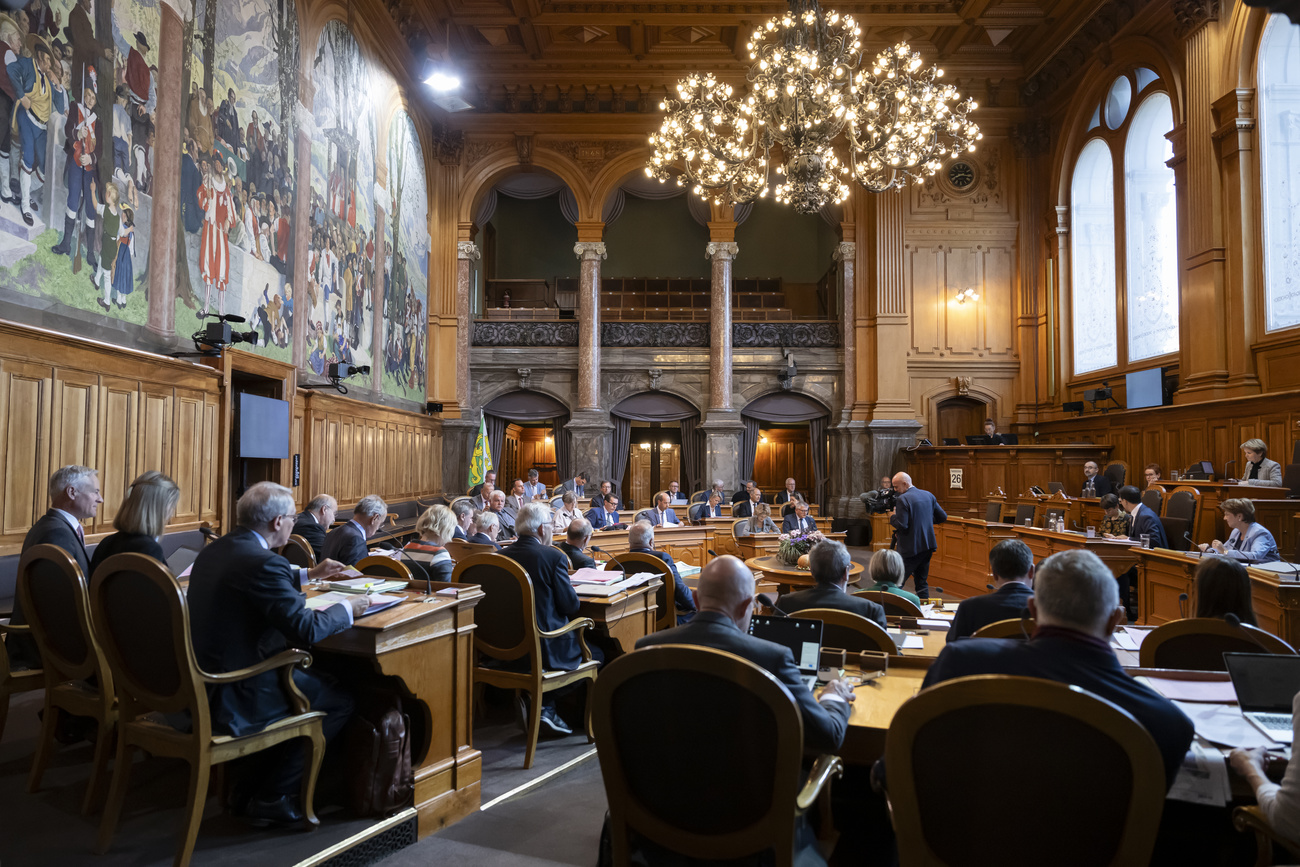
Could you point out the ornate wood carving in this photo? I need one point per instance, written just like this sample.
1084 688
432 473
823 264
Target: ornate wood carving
591 155
1191 15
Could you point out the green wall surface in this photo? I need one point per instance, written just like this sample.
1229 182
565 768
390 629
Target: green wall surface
776 241
533 239
655 239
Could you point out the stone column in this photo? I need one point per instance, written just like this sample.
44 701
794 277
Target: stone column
466 252
849 440
302 224
165 194
590 254
722 426
1235 134
1061 361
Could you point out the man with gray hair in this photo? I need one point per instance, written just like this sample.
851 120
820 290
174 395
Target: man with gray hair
577 536
497 506
74 497
245 606
641 540
1076 607
830 564
347 542
314 522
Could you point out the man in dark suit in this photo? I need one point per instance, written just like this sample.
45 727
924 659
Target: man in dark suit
486 527
1012 565
576 540
641 540
314 523
1076 607
490 477
464 512
745 492
481 500
830 564
787 494
726 604
1142 521
603 513
553 598
746 508
915 514
711 509
661 514
245 606
74 497
346 543
798 521
577 484
1094 483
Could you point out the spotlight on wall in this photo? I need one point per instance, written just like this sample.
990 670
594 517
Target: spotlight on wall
965 296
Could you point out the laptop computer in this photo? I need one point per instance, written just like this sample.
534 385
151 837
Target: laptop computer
802 636
1265 684
180 560
977 440
951 441
1055 487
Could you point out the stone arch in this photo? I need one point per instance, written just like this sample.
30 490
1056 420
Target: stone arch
823 394
610 176
493 390
634 390
812 402
504 162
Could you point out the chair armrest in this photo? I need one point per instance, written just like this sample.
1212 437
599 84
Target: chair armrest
824 769
283 659
14 628
576 623
1253 819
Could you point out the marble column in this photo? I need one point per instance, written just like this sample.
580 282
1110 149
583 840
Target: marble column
722 425
466 252
848 438
590 254
458 436
167 176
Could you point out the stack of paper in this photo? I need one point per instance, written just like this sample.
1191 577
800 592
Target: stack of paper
367 584
685 569
1203 777
606 590
587 575
378 602
1218 691
1223 724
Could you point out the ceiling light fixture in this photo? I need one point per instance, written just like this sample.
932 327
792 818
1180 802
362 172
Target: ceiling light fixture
820 110
442 80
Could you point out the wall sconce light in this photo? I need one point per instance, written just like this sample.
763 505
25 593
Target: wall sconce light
763 440
964 296
645 446
666 446
548 440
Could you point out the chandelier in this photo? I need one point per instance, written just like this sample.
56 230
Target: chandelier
832 115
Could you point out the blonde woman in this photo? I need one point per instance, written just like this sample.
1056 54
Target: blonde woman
437 527
1257 469
759 522
886 570
150 503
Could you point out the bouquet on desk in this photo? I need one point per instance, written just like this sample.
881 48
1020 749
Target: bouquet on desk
795 547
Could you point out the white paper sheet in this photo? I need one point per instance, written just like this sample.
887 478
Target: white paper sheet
1224 725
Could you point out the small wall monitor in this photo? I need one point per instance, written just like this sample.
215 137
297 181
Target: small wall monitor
263 427
1145 388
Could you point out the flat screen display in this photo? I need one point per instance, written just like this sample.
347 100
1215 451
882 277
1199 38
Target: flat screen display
1145 388
263 427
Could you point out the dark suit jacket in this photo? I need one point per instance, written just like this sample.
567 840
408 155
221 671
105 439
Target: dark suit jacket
1074 658
346 544
823 724
1147 522
915 514
460 534
783 497
482 539
125 543
828 596
553 597
1004 603
1100 483
579 559
683 600
50 529
310 529
700 511
744 509
245 606
792 522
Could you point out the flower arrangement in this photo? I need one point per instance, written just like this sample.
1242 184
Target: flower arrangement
795 546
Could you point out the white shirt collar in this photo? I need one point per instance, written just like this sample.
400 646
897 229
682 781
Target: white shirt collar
76 525
261 540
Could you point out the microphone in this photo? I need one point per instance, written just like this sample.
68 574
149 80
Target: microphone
712 553
1024 617
428 581
210 534
1192 547
1231 463
1182 605
770 603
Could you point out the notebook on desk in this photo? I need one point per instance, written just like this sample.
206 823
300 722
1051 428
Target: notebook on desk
1265 684
802 636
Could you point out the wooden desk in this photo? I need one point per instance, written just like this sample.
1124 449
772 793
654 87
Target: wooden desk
1209 520
1119 557
882 533
766 544
686 543
877 702
624 617
961 565
426 652
989 468
725 541
790 576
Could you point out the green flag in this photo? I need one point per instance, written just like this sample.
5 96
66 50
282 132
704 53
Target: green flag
481 462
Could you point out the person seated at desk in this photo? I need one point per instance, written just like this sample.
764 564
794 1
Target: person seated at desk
1012 565
437 527
483 529
533 488
746 492
991 432
577 484
789 493
726 605
759 522
483 498
641 540
746 508
245 607
314 523
577 537
1257 469
719 490
886 572
566 514
676 497
140 520
490 477
1094 483
830 565
464 512
1116 522
1151 473
497 506
347 542
799 521
661 514
1248 540
515 500
1076 607
1280 804
1142 521
1223 587
603 513
711 509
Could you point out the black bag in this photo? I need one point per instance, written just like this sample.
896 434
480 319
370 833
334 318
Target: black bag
379 776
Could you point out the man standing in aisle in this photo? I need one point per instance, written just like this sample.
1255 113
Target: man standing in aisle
915 514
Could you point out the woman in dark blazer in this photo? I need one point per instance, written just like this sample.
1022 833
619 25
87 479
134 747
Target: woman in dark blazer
149 505
437 527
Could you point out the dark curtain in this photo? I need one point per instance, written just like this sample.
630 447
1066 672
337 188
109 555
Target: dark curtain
748 449
817 434
622 444
496 432
560 437
692 456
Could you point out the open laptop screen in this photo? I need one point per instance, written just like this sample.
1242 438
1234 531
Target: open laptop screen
1265 682
802 636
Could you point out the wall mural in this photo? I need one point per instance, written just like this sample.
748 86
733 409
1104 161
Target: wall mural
406 264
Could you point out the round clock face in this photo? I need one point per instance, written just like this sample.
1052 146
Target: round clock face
961 175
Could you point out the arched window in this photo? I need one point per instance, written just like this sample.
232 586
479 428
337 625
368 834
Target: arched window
1279 132
1092 255
1151 232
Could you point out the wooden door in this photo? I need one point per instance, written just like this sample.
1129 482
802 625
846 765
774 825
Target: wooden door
960 417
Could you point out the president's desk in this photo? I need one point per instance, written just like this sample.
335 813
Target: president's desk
963 477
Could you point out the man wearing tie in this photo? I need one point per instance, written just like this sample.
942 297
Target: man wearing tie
799 521
577 484
915 514
599 517
1094 483
533 489
74 497
464 512
515 501
1142 521
746 509
497 506
661 514
346 543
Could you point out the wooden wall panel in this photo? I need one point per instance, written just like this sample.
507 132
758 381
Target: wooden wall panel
117 458
26 433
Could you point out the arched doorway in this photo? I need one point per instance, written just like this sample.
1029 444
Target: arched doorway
959 417
785 437
525 431
655 442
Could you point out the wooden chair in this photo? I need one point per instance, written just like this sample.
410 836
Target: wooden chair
1184 503
13 682
469 500
156 672
736 531
1024 512
506 631
993 512
298 552
384 567
700 496
1253 819
1176 530
460 549
892 603
746 798
78 682
665 597
849 631
1198 643
1116 472
1111 780
1154 498
1015 627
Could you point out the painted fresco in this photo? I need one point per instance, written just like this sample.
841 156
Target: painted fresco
238 110
406 264
76 162
341 253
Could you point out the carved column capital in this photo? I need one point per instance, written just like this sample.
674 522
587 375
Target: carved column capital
846 251
590 250
1191 15
448 145
1062 220
721 250
467 250
1031 139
